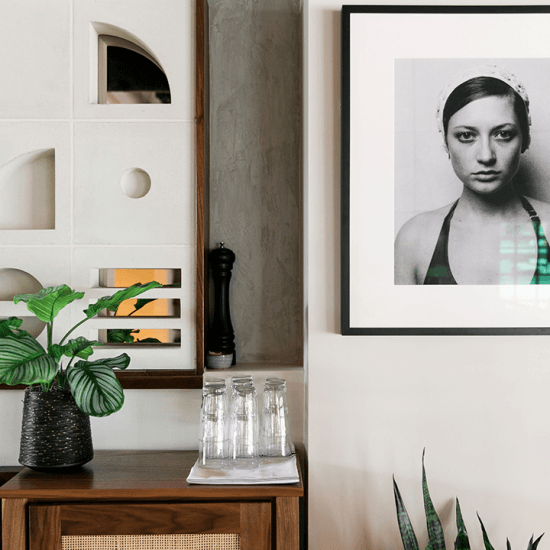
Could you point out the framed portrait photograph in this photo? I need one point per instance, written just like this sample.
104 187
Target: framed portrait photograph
445 212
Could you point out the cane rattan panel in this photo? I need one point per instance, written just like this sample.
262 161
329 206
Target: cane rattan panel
224 541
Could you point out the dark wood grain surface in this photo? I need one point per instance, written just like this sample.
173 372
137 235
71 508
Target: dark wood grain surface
129 475
149 518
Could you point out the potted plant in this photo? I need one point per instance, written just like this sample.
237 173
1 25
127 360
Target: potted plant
436 535
64 387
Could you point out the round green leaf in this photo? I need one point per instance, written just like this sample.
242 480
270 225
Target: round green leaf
24 361
95 387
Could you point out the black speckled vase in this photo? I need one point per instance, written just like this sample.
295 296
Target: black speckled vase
55 433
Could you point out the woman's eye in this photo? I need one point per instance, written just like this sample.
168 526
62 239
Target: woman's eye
505 135
465 137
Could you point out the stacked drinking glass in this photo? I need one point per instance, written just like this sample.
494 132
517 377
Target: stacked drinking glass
275 439
238 430
214 425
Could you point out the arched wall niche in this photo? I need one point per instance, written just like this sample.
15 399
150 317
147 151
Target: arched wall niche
27 185
16 281
107 38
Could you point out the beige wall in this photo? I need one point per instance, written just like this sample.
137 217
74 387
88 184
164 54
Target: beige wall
477 404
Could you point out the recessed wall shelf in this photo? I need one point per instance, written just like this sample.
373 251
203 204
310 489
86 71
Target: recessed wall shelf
27 184
135 183
129 74
17 281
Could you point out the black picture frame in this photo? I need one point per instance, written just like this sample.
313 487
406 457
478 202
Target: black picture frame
357 319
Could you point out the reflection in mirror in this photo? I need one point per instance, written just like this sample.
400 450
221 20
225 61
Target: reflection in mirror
146 307
122 278
139 337
152 306
133 75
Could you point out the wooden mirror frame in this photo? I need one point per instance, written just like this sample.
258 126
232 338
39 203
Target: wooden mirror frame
189 378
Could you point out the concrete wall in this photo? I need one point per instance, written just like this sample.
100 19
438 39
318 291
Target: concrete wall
255 130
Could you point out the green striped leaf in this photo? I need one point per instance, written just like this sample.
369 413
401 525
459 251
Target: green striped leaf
405 527
488 545
435 531
461 542
47 303
78 347
95 387
24 361
7 325
112 302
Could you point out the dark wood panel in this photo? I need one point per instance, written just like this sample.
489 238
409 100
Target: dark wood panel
160 379
14 520
150 379
202 195
6 473
149 518
287 512
256 530
44 528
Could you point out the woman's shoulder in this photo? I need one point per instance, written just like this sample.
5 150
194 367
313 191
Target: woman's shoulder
422 225
415 244
542 208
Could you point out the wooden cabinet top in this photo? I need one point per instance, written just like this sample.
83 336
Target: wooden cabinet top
134 475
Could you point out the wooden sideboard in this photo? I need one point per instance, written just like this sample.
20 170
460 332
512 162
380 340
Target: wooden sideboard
144 494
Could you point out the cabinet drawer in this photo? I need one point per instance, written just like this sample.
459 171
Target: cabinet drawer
52 524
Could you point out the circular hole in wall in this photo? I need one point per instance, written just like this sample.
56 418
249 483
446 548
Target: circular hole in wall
135 183
16 281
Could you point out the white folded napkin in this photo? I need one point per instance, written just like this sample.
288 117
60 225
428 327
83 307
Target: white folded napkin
270 471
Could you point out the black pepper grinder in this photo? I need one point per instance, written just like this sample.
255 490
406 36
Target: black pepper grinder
221 338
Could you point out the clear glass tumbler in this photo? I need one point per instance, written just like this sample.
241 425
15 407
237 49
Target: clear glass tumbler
244 427
239 381
275 436
214 426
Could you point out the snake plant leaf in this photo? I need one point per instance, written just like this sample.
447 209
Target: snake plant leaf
508 545
95 387
488 545
112 303
24 361
533 545
78 347
405 527
461 542
47 303
436 536
7 325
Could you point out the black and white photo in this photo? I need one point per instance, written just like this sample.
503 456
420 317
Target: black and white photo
445 170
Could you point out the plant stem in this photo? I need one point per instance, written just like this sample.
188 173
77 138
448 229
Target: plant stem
50 333
75 327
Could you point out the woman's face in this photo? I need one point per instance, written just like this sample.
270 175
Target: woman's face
484 141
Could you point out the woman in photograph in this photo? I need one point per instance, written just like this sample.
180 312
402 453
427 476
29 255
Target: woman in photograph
492 234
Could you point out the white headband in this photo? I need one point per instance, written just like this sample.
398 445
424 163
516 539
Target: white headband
481 70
